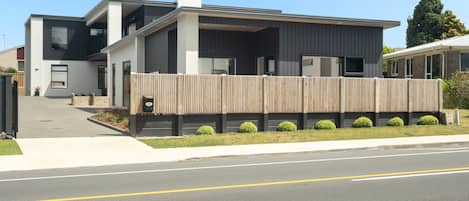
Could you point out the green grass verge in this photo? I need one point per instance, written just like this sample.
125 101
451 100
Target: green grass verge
311 135
9 147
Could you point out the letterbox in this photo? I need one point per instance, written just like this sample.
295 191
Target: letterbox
148 104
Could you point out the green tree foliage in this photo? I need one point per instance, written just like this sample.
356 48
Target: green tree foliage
453 26
426 25
386 50
456 91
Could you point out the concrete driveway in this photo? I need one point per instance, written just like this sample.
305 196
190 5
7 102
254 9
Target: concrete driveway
41 117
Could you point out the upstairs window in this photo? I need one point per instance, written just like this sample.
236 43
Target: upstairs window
465 62
97 32
59 38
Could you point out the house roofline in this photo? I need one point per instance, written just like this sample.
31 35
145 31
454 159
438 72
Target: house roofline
11 48
172 17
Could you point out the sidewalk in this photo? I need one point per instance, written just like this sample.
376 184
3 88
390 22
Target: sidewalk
47 153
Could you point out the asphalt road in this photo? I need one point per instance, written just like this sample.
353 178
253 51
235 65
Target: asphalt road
424 174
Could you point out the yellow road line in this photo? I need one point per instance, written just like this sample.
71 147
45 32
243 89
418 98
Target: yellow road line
253 185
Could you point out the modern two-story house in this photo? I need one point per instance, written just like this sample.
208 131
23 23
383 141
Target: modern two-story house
96 53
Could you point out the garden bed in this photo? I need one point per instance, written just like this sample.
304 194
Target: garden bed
310 135
115 119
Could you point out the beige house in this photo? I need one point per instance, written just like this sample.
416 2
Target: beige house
13 57
430 61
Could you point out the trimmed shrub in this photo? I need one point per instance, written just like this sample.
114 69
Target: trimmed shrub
205 130
362 122
396 122
287 126
248 127
428 120
325 125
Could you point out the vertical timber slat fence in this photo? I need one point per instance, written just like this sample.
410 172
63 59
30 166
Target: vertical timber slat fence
215 94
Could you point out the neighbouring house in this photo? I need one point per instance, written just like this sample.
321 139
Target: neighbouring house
96 53
435 60
13 57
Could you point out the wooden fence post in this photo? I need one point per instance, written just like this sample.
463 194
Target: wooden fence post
265 117
342 103
440 100
223 116
409 103
304 116
377 100
179 106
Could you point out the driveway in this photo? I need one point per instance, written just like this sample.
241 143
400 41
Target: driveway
41 117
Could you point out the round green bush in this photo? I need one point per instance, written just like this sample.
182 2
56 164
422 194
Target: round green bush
362 122
248 127
205 130
287 126
396 122
325 125
428 120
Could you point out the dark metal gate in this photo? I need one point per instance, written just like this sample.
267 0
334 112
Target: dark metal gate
8 105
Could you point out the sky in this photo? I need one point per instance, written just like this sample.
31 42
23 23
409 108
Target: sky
15 12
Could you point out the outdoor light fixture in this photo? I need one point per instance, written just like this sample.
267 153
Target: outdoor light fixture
148 104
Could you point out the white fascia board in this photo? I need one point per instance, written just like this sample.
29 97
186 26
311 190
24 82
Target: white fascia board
96 12
405 53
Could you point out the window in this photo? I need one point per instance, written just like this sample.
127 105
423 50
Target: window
408 68
433 66
321 66
428 67
102 75
20 65
59 38
464 62
59 76
216 65
354 67
394 69
97 32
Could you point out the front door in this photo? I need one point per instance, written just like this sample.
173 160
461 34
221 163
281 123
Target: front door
126 67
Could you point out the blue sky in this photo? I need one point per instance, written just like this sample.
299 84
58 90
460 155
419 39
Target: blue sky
15 13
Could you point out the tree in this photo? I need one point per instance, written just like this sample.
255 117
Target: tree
453 26
386 50
456 91
426 25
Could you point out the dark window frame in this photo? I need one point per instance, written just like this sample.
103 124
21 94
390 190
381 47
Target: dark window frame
461 62
351 73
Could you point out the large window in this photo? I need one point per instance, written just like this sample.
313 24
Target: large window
59 38
316 66
59 76
216 65
408 68
102 75
354 67
464 62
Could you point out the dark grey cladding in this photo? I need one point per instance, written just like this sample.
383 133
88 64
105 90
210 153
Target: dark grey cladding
284 41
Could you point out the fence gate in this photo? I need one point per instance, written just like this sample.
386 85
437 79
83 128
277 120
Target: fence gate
8 105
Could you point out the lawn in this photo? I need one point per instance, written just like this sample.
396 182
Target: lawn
9 147
311 135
